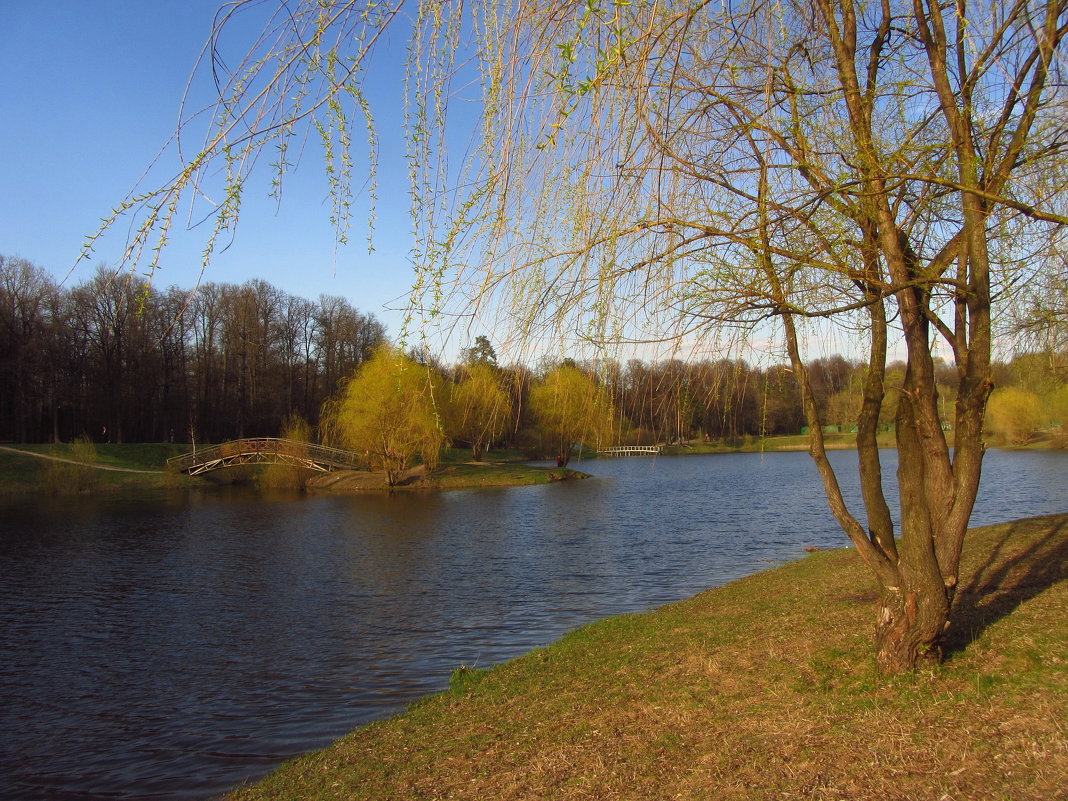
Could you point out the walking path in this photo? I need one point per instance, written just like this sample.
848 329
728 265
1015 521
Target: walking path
72 461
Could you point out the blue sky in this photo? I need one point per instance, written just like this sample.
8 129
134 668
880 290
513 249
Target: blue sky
90 93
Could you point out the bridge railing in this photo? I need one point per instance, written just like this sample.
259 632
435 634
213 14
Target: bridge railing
624 450
307 451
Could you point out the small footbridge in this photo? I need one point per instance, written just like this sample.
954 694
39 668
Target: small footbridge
266 450
632 450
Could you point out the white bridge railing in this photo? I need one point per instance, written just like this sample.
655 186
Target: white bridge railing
632 450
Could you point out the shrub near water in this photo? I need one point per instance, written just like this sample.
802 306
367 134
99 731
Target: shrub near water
1013 414
290 476
62 478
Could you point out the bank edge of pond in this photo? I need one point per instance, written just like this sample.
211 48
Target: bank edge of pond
46 469
762 688
472 475
1053 439
25 469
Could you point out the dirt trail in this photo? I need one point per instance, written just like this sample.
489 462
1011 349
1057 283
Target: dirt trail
83 464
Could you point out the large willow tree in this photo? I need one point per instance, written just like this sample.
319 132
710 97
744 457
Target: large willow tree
655 170
387 410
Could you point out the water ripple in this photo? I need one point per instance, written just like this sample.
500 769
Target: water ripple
172 648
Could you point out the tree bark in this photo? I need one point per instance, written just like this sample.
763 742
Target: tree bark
909 628
914 609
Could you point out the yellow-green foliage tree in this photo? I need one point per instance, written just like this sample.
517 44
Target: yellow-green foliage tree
293 473
388 410
1013 413
1056 404
77 474
478 408
569 407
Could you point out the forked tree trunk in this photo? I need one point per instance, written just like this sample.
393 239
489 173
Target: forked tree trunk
909 628
936 497
913 606
916 572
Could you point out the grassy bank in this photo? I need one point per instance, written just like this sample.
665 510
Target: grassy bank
501 474
33 469
792 442
447 476
1040 441
760 689
63 468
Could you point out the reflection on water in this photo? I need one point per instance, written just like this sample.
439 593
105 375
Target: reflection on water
173 647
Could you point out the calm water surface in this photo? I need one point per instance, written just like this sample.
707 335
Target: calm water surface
173 647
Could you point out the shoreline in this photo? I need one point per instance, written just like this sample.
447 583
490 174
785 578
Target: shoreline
760 688
452 476
119 468
27 471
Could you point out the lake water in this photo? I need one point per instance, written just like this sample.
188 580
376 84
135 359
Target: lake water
175 646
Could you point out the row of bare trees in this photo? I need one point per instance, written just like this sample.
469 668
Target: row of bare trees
119 361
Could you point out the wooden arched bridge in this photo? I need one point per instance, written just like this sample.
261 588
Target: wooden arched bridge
266 450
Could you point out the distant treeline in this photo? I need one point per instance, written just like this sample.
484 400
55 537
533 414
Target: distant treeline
675 400
118 362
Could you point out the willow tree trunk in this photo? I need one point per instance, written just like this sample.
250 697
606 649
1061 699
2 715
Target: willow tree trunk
937 490
916 571
909 628
913 608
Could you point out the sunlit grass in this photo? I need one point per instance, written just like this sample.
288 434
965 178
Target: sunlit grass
788 442
506 474
21 473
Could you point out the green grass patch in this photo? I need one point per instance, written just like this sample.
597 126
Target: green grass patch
462 455
23 470
64 468
19 473
448 476
506 474
790 442
764 688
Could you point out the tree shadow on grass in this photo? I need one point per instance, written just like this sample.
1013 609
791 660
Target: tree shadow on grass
1028 556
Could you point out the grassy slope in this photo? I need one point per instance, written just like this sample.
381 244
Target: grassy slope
21 473
760 689
26 474
1042 440
506 474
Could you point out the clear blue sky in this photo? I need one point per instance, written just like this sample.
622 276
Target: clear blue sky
90 92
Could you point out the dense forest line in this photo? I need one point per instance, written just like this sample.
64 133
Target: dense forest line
119 362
